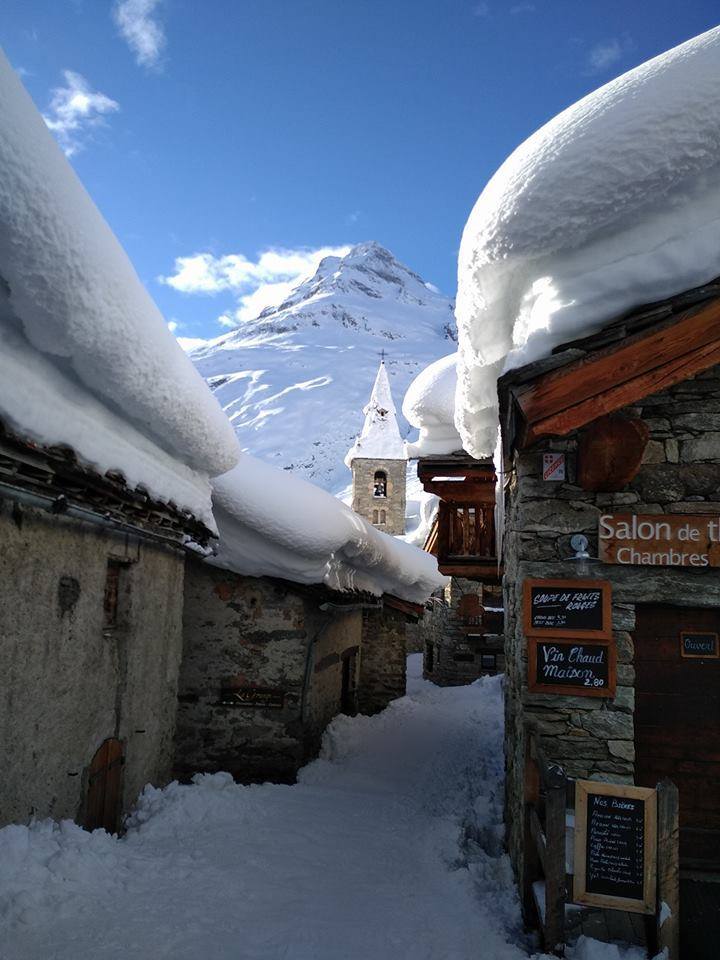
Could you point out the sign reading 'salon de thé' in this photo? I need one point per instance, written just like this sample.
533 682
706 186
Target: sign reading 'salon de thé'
660 540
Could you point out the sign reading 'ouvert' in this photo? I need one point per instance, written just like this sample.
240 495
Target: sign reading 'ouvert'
659 540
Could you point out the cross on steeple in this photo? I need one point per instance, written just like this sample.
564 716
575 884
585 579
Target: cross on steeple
382 356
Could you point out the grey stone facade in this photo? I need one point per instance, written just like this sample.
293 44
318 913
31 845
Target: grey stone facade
386 513
680 473
70 680
254 632
458 649
383 659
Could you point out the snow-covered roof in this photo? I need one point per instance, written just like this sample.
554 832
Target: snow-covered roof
429 405
87 359
380 438
275 524
613 204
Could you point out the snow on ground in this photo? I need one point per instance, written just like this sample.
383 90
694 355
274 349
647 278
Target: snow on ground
81 337
388 848
613 204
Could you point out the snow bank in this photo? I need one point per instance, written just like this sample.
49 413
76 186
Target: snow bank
613 204
275 524
429 405
380 438
72 302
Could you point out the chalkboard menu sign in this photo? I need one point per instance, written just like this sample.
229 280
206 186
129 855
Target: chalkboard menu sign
574 667
615 846
580 609
699 645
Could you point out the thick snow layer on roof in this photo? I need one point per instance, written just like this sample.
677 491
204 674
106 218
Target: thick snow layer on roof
272 523
380 438
613 204
429 405
77 307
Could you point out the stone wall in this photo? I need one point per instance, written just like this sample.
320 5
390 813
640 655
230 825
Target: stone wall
453 646
254 632
680 473
366 503
69 680
383 665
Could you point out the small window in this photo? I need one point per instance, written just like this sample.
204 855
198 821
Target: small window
382 516
375 516
488 661
380 484
114 580
429 658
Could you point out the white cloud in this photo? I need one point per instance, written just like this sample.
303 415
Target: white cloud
74 109
604 54
141 30
522 7
173 325
257 284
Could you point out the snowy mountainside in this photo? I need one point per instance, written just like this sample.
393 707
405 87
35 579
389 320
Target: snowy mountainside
294 381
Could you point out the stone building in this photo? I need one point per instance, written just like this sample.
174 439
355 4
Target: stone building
378 462
630 421
108 438
292 622
91 580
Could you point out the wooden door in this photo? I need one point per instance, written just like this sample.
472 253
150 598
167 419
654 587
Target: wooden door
104 794
677 723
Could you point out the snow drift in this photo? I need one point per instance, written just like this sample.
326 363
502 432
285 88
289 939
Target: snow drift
74 313
429 405
275 524
613 204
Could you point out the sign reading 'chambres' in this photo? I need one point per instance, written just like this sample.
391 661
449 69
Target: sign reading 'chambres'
660 540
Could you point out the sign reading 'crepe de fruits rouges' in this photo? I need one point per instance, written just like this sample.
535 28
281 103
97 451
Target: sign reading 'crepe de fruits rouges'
660 540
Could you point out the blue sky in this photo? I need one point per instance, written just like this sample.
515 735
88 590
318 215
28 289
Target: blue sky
229 144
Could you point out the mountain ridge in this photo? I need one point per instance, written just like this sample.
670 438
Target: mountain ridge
294 380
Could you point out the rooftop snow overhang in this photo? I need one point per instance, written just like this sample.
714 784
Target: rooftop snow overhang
632 358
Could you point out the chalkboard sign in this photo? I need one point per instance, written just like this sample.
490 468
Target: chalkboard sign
615 846
573 667
699 645
252 698
580 609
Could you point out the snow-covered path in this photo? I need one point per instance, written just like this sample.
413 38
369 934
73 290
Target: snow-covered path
389 848
367 857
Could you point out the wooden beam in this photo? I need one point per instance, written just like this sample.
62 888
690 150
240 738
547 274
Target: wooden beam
570 397
414 610
668 869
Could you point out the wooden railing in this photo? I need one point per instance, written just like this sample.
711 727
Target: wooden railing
549 793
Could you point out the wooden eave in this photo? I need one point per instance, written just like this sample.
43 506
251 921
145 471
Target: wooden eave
565 399
412 610
477 485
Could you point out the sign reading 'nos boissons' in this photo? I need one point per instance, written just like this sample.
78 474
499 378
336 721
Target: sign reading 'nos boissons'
660 540
615 846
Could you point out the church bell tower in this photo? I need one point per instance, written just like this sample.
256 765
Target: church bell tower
379 463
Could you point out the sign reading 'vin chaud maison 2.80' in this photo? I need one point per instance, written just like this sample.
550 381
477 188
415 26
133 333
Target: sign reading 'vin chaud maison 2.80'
660 540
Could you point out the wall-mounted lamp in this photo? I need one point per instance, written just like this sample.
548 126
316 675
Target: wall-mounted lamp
579 543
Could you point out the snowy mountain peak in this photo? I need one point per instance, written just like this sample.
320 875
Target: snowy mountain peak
294 380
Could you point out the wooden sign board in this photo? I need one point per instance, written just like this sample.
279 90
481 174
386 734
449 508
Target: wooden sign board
658 540
615 846
571 667
699 645
580 609
252 698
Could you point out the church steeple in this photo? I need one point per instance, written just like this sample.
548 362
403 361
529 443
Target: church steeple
378 461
